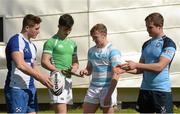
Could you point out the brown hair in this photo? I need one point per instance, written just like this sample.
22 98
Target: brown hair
66 20
30 20
99 27
156 18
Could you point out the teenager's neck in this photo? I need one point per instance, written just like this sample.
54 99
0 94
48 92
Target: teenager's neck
59 35
25 35
161 34
102 45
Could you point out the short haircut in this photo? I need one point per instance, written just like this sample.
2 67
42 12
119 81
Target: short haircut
99 27
156 18
30 20
66 20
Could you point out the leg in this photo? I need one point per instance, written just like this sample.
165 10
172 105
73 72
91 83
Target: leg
145 103
108 110
32 113
163 102
89 107
16 100
33 102
60 102
60 108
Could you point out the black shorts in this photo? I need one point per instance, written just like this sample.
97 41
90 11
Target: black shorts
154 102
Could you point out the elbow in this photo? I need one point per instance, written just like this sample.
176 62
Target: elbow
116 77
159 69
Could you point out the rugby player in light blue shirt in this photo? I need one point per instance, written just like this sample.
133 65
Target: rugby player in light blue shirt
102 61
157 54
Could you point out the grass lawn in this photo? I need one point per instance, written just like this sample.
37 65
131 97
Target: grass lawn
121 111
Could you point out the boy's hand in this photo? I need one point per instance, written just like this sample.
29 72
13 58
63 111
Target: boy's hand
84 72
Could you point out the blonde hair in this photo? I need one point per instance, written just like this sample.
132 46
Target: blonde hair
99 27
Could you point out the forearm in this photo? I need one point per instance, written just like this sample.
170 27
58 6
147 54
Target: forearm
75 65
135 71
113 84
27 69
141 66
48 66
30 70
89 68
18 59
46 62
156 67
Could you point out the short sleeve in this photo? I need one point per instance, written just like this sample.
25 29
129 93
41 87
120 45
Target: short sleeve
169 49
142 55
168 52
75 49
115 57
48 46
16 44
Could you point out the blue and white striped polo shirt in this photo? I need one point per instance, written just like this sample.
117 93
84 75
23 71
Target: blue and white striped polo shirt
103 60
15 77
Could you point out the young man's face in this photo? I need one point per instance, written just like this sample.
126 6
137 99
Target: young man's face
33 31
153 30
98 38
64 31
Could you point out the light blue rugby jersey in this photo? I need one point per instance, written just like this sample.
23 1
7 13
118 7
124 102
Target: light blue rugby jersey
151 52
15 77
103 60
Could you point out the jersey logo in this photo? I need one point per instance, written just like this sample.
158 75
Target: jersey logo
60 46
169 52
158 44
18 109
72 47
26 50
163 109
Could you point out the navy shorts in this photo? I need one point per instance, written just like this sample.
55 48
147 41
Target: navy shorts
21 100
154 102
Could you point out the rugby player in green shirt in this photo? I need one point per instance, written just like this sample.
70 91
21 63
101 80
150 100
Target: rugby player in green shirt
60 53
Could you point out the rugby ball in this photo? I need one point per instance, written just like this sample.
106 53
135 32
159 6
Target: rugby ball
58 81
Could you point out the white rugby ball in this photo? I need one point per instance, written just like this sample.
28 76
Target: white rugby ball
58 81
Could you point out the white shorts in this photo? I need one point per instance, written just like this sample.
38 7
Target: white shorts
96 95
66 96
